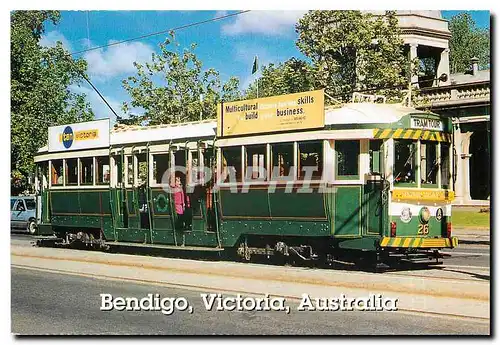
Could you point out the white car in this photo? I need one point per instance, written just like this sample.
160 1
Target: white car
23 214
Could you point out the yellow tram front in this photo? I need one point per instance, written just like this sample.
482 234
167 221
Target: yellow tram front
419 183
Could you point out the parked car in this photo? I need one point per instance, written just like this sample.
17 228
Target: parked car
23 214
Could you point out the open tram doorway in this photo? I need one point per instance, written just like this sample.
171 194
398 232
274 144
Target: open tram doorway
142 186
182 204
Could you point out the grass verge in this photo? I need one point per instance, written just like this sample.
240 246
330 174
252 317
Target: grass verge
471 219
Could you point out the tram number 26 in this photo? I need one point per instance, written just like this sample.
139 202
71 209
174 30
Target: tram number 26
423 229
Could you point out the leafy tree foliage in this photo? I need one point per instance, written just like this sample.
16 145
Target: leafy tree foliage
467 41
292 76
40 96
170 86
352 50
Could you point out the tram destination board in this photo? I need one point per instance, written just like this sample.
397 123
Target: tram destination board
304 110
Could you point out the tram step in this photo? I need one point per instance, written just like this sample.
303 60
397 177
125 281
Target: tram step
162 246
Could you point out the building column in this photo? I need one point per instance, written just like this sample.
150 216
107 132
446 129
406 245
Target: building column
412 55
443 67
462 184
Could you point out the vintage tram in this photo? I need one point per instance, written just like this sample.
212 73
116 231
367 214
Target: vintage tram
272 176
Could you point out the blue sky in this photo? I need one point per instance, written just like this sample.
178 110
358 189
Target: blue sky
228 45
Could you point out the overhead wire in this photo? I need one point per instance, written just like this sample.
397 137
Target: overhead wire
185 26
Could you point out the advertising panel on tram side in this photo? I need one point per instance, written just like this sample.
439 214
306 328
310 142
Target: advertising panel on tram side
303 110
79 136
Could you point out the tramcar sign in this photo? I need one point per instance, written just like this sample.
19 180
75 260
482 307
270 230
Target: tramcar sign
79 136
423 123
272 114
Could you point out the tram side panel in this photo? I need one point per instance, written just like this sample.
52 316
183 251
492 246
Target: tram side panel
346 216
279 214
81 209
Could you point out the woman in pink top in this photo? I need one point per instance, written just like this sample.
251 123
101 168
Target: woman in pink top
179 197
181 201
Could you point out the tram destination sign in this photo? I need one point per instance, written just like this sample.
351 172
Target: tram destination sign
424 123
304 110
79 136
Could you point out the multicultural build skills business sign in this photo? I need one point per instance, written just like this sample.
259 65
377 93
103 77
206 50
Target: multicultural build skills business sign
301 110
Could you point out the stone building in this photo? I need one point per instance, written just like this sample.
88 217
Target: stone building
464 97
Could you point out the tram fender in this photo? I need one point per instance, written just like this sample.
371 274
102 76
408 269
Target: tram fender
364 243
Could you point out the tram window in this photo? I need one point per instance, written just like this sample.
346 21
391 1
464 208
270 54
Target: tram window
445 165
130 170
161 163
195 173
57 173
42 171
255 166
347 158
180 166
428 162
231 164
310 160
142 169
102 170
86 169
405 161
71 171
119 169
282 160
376 156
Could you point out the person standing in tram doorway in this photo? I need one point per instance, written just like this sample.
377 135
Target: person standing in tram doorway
181 202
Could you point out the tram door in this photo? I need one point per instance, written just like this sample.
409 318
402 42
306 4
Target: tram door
141 190
119 192
376 205
182 205
208 182
200 194
41 184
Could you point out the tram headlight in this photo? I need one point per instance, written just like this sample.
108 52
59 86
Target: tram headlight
406 215
425 215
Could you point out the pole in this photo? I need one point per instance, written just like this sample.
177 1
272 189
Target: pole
409 82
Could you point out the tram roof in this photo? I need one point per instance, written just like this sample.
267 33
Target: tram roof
365 113
345 114
178 131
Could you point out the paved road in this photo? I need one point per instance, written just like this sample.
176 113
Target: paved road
49 303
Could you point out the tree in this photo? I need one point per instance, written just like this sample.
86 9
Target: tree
352 50
40 94
467 41
174 88
291 76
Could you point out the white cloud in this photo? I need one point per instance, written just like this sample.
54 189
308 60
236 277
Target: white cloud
116 60
51 37
271 23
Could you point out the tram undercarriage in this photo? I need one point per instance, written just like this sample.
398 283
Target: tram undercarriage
320 252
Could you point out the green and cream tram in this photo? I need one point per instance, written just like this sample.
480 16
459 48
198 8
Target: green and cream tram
273 176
